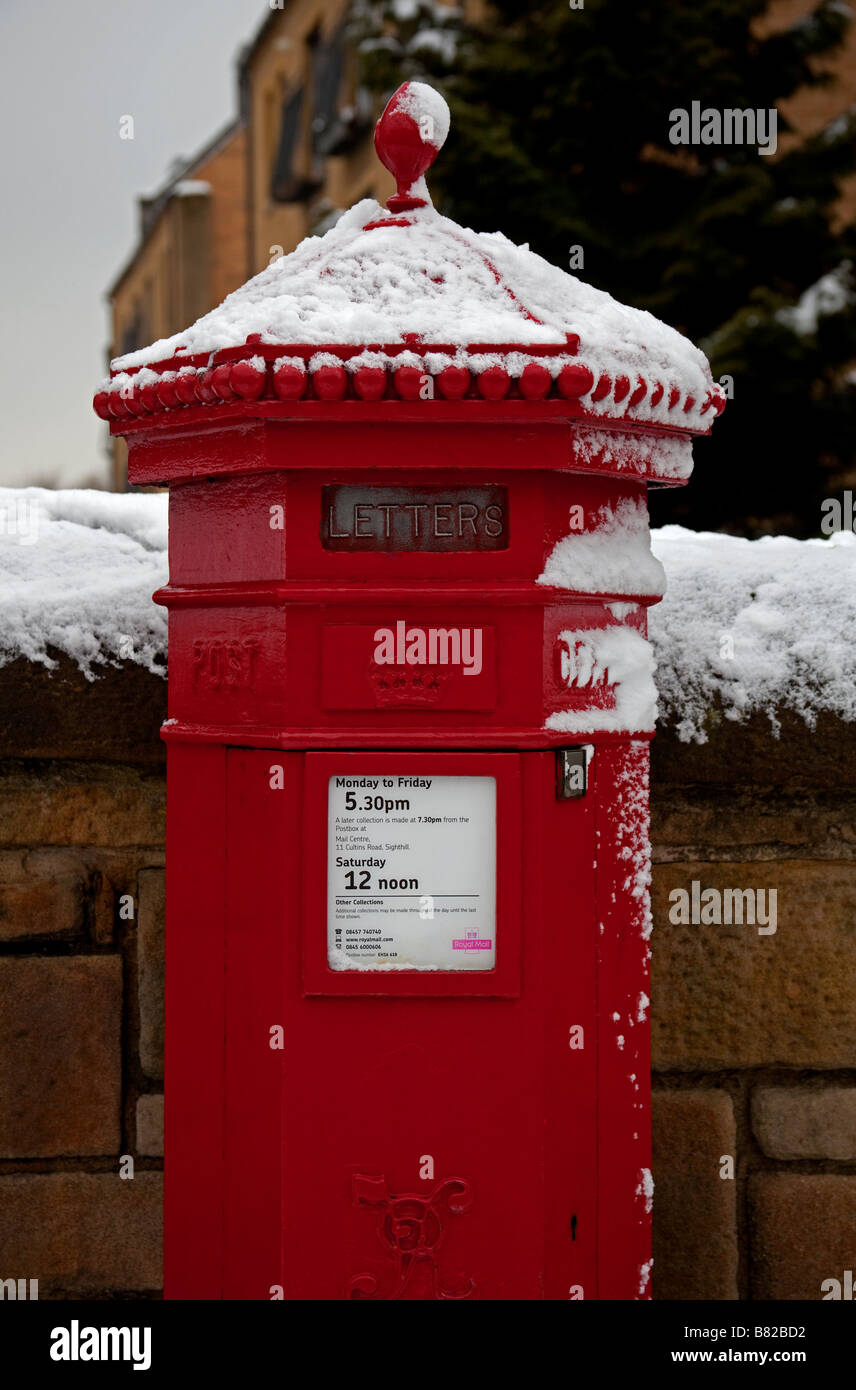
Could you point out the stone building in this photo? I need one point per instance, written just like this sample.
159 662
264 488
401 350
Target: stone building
299 148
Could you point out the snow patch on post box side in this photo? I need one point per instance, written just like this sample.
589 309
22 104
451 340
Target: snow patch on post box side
633 786
667 456
614 557
619 659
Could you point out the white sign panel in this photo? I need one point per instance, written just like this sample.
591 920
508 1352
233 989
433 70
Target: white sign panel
411 873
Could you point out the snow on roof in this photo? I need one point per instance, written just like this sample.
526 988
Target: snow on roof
403 292
372 280
745 626
191 188
417 278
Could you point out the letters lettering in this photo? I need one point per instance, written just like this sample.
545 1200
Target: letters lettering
366 518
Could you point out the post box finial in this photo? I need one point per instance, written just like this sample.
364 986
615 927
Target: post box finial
408 138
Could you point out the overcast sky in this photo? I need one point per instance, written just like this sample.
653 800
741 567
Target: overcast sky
70 70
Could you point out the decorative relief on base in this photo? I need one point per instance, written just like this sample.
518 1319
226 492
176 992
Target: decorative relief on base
411 1232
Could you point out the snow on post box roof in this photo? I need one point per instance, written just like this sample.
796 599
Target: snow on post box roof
389 298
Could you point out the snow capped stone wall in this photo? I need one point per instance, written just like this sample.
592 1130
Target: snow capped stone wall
744 627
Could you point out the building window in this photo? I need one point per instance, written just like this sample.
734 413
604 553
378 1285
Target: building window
328 66
286 185
135 333
314 122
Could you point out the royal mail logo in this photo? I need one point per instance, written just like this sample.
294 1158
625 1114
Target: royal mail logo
430 646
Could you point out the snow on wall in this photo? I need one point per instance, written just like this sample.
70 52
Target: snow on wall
754 626
77 573
745 626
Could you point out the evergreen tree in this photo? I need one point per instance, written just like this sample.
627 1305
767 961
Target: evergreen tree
561 121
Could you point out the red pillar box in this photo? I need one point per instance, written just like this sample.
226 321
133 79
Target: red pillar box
410 704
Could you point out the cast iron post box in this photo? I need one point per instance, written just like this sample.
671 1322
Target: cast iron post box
410 700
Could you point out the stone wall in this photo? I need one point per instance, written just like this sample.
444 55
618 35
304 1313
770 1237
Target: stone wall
753 1035
81 980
